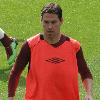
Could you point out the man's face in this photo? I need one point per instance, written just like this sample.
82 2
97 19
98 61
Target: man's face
51 25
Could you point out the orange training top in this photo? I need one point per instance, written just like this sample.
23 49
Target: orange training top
53 73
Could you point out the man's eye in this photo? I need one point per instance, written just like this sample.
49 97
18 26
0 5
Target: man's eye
46 22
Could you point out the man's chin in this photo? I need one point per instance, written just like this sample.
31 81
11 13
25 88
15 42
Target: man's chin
50 36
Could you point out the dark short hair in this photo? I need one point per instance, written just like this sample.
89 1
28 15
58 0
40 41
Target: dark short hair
52 8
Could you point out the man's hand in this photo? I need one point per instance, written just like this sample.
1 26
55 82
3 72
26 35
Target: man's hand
88 97
10 98
88 87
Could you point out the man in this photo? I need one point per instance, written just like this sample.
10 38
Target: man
10 45
54 62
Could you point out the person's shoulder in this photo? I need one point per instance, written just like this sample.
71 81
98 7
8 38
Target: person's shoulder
70 39
37 36
33 40
74 43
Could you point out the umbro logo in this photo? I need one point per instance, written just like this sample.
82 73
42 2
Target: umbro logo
55 60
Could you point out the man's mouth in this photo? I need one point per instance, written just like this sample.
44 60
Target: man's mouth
50 31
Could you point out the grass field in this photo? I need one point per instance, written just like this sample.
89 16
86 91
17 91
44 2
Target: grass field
21 19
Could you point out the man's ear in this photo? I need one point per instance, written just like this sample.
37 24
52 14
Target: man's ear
41 20
61 20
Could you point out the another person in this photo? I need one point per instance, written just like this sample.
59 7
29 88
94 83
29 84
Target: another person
54 62
10 45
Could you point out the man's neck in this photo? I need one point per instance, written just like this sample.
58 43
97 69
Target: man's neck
52 40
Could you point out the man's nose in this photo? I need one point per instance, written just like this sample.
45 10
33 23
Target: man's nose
50 26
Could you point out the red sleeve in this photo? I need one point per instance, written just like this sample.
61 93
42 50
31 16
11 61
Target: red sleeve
21 61
82 66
